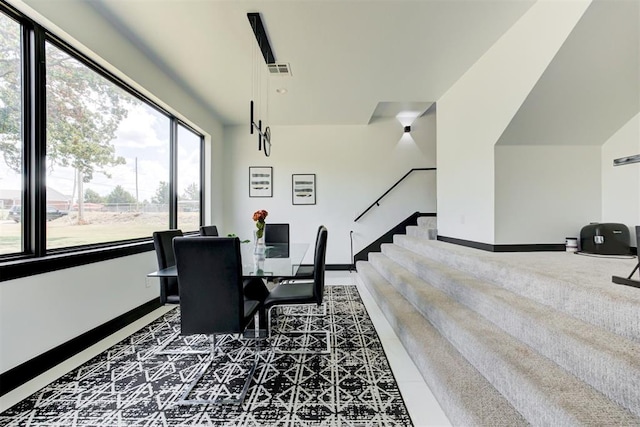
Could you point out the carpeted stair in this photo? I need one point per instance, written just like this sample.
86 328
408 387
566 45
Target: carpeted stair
513 339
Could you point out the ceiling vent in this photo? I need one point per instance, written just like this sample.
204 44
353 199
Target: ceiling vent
279 69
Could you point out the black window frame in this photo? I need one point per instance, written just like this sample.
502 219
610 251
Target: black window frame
34 257
201 166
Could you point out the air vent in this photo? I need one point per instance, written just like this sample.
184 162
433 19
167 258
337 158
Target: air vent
280 69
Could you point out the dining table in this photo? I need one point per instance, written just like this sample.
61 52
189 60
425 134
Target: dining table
278 260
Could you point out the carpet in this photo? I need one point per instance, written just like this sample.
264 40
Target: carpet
130 384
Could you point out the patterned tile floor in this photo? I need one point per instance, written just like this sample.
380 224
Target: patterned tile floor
327 405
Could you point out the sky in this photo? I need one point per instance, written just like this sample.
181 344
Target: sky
144 135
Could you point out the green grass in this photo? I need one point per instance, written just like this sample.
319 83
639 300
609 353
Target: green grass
106 227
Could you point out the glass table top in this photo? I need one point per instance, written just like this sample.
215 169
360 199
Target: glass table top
278 260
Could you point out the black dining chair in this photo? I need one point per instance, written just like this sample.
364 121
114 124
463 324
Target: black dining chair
212 302
306 271
276 234
254 287
276 238
209 230
162 241
302 293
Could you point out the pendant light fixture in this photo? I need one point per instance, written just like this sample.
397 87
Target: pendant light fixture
264 136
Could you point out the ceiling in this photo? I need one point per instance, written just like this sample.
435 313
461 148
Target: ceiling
591 88
354 62
345 56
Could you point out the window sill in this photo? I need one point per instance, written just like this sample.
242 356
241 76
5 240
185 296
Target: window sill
58 261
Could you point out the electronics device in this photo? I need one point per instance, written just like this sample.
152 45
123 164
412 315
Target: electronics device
605 239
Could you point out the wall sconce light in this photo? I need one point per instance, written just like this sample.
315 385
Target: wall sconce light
406 119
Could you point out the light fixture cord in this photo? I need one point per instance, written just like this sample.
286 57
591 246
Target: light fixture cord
253 68
259 77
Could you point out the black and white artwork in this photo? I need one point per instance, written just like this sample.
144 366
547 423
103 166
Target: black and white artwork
260 181
303 189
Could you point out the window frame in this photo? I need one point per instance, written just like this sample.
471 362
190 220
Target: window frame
34 257
201 165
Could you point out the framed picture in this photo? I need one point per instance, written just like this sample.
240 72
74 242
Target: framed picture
260 181
303 189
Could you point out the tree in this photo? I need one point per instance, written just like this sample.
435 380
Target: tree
120 195
192 192
162 194
84 111
10 93
91 196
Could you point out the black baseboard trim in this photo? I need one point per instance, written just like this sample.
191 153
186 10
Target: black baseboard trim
545 247
340 267
542 247
333 267
467 243
26 371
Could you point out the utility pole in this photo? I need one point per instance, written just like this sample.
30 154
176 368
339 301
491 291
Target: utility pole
137 200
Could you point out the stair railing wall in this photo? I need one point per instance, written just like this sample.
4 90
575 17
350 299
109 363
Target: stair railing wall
377 202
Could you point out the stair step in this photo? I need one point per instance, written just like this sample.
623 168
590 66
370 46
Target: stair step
606 361
577 285
427 222
539 389
421 232
464 394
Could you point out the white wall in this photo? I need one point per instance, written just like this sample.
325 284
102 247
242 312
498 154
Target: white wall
354 165
545 193
38 313
621 184
475 111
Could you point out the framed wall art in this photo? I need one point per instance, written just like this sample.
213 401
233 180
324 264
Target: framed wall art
260 181
303 189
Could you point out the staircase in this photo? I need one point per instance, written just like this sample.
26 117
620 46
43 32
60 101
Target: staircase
512 339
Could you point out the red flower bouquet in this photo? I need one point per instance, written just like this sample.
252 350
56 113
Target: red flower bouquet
259 217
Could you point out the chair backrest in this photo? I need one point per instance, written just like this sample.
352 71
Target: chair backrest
319 264
210 280
318 236
315 251
276 234
209 230
162 241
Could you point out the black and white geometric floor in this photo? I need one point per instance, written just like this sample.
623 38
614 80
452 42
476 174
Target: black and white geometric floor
131 385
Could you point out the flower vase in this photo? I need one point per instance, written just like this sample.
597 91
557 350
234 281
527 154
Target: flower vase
258 265
259 248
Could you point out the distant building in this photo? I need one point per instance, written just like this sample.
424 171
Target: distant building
55 199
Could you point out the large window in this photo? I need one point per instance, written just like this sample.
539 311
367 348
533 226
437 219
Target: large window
11 147
85 160
189 149
108 157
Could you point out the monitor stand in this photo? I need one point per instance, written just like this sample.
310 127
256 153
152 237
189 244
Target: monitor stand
629 281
